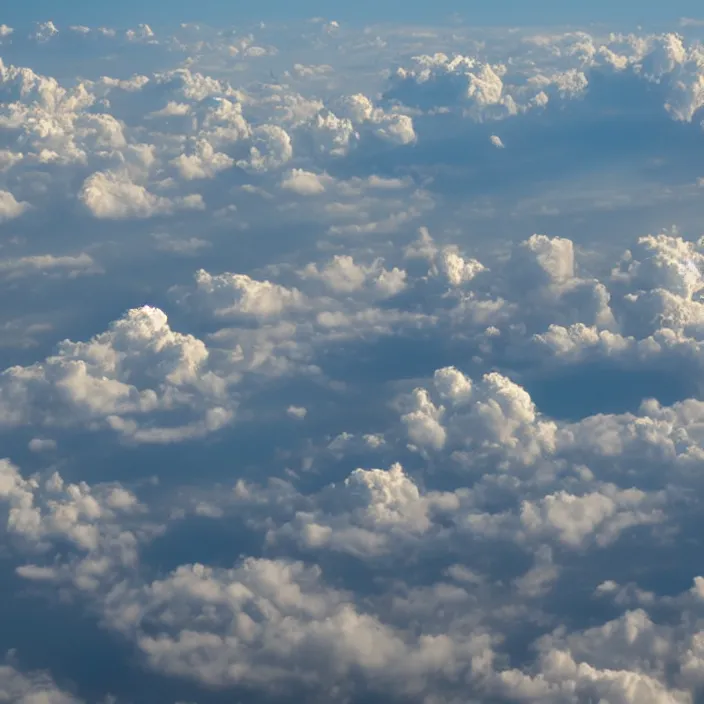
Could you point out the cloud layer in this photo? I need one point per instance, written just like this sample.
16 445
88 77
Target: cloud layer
349 365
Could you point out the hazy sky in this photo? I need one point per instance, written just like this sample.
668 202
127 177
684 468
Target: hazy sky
502 12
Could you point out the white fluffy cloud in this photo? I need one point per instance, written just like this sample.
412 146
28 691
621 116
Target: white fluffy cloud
495 415
116 196
9 207
139 366
272 149
343 275
90 519
204 162
276 626
226 295
304 183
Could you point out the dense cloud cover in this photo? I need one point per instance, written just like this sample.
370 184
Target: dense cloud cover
351 365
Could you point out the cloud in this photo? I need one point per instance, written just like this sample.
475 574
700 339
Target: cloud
205 162
226 295
559 672
93 523
25 520
114 196
304 183
31 687
343 275
322 640
143 33
605 514
45 31
139 366
10 208
446 262
47 264
42 444
489 91
437 80
272 149
374 512
303 71
394 128
185 247
495 415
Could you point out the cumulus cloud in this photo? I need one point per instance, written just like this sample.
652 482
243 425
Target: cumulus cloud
39 513
115 196
139 366
304 183
10 208
45 31
272 149
438 80
495 415
26 688
446 262
573 518
42 444
343 275
205 162
489 91
228 294
321 639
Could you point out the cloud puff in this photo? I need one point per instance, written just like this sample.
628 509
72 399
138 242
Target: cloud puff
343 275
654 303
489 91
226 295
115 196
446 261
205 162
394 128
322 641
271 149
439 81
45 31
9 207
139 366
304 183
606 514
88 519
26 688
495 415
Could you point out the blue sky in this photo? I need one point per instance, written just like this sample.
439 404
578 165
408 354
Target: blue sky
511 12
